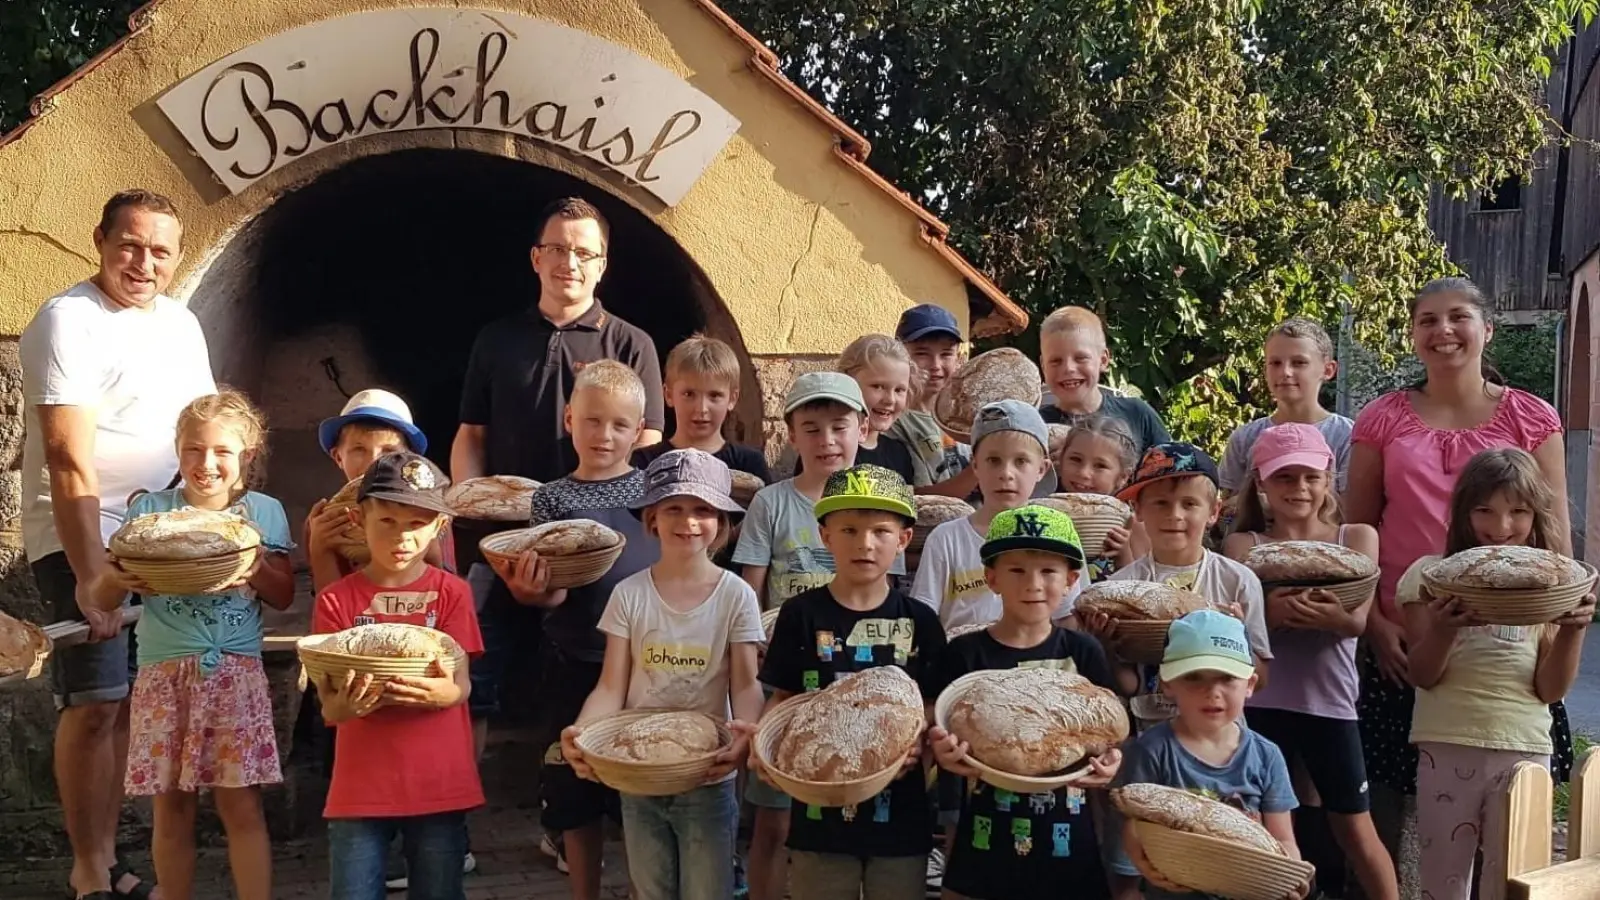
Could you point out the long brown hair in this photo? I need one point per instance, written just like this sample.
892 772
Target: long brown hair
1252 513
1507 469
1470 292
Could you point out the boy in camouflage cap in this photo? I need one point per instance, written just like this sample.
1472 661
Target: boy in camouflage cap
858 622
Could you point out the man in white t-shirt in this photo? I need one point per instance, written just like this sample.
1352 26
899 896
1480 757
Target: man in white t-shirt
106 368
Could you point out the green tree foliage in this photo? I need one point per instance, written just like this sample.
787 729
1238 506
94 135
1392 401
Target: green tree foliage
43 41
1193 171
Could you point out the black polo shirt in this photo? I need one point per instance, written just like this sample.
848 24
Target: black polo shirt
520 375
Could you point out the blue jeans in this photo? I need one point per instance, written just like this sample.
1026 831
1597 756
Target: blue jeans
358 855
681 847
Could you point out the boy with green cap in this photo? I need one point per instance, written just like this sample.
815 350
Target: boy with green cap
877 849
1009 846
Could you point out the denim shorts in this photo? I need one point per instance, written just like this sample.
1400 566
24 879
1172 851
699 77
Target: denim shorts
358 856
681 846
85 674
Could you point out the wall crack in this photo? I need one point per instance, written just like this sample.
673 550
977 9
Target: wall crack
51 240
794 272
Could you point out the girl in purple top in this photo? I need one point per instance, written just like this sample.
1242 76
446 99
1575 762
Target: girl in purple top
1408 448
1308 708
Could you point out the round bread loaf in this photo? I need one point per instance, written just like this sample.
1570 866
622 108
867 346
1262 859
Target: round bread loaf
1036 721
493 498
1083 506
743 486
567 537
961 630
1309 562
666 737
20 645
351 540
1507 568
856 727
394 640
1181 810
933 510
1058 437
184 534
1139 600
1004 373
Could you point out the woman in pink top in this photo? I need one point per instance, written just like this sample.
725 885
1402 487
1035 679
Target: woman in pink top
1408 448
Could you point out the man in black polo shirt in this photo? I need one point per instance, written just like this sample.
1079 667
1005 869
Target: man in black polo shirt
514 398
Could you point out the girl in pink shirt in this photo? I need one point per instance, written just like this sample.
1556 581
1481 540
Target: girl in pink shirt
1409 447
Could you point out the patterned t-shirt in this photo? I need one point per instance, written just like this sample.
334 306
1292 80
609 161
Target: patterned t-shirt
780 532
573 625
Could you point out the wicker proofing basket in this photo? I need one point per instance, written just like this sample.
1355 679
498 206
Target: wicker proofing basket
188 577
322 662
1221 868
1092 530
571 571
644 779
1017 784
1141 640
1351 594
768 620
815 793
1517 607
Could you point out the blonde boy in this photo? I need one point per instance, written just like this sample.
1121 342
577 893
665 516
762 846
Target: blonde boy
702 386
1299 361
1073 355
604 416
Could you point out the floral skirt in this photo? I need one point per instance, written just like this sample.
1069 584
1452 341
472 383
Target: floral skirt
190 730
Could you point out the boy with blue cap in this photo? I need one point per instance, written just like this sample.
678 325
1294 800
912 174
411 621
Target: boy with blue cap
932 336
1208 674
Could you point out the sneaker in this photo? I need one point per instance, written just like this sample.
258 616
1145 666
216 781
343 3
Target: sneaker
551 847
935 874
741 884
469 863
396 880
399 881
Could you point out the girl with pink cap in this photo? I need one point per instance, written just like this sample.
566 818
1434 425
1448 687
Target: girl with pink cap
1309 707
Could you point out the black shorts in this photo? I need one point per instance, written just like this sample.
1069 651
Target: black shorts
1330 750
85 674
568 801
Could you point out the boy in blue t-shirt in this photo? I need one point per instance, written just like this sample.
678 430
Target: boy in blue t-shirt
1208 674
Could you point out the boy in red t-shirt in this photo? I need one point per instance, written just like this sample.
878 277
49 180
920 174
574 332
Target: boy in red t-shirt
404 761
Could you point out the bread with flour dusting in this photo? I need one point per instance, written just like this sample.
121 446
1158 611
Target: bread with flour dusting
1084 506
1004 373
933 510
1282 562
20 645
1181 810
855 728
393 640
1139 601
493 498
1507 568
1036 721
184 534
665 737
563 538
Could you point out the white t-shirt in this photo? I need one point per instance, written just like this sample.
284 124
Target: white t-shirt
137 368
1218 579
680 659
950 578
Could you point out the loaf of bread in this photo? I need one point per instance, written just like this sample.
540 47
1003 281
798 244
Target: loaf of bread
933 510
20 645
960 630
744 486
1058 438
1084 506
350 540
184 534
563 538
1036 721
493 498
393 640
1139 601
666 737
856 727
1181 810
1004 373
1507 568
1308 562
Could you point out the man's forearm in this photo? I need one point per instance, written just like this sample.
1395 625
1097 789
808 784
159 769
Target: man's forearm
75 507
467 453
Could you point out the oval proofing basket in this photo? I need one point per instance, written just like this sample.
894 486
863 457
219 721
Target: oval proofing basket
188 577
644 779
1017 784
1351 594
571 571
815 793
1517 607
1222 868
1092 530
319 663
1141 640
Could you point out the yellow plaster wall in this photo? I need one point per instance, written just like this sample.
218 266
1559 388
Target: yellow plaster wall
806 253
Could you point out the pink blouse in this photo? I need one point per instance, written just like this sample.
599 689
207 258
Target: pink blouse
1420 466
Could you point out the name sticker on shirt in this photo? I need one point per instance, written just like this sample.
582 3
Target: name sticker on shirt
401 603
896 633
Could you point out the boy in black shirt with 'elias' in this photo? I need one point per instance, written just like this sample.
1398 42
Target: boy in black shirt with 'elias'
1008 846
877 849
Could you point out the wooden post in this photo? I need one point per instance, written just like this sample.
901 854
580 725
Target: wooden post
1583 820
1523 814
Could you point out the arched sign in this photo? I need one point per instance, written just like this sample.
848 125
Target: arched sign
263 107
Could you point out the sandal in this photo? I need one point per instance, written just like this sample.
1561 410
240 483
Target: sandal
141 889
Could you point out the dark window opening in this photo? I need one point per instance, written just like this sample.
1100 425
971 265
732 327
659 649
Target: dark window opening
1506 195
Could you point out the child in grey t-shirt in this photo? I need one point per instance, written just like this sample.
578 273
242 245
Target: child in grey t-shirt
1207 672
